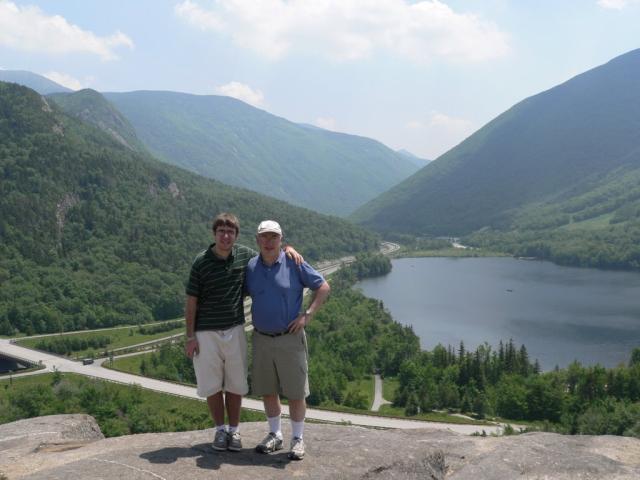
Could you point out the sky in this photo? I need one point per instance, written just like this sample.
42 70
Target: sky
418 75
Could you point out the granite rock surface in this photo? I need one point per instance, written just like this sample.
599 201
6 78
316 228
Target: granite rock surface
72 447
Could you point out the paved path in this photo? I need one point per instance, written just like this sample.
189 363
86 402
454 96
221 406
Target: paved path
378 400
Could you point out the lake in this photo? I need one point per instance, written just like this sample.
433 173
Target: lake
561 314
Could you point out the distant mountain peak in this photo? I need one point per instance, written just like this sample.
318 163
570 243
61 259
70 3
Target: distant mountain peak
36 82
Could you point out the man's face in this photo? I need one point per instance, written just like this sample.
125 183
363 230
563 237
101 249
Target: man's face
269 243
225 237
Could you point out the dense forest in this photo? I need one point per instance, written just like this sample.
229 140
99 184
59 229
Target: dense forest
506 383
95 234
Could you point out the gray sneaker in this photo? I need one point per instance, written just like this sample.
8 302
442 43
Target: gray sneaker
269 444
220 441
235 442
297 449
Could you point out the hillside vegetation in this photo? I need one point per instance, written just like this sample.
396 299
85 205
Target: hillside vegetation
94 234
226 139
556 176
91 107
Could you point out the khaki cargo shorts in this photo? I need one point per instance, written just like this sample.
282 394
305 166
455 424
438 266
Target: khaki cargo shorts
221 364
280 365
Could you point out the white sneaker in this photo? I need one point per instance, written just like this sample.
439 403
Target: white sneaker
297 449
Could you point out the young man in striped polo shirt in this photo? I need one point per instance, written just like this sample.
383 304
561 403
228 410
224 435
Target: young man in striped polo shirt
214 316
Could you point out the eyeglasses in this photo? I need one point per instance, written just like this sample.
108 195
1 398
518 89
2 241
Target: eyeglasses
225 231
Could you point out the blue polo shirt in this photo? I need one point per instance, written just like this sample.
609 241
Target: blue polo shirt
276 291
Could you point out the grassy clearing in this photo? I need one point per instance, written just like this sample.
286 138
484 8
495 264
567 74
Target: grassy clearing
128 364
363 387
596 223
389 387
120 338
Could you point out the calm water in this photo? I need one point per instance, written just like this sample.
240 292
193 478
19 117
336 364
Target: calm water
560 313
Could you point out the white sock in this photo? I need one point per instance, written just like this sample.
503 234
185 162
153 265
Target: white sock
297 429
233 429
275 425
221 427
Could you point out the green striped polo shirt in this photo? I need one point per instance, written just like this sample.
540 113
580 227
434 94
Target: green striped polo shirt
218 284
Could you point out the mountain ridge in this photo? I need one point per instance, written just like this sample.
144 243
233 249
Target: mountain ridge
553 160
39 83
224 138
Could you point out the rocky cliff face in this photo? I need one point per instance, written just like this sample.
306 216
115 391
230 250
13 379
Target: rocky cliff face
72 447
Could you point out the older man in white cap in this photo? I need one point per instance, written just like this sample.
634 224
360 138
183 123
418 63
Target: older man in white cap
276 286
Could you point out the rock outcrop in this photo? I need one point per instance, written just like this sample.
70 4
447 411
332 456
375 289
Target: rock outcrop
72 447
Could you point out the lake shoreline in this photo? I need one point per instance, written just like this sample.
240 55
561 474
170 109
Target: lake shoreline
559 313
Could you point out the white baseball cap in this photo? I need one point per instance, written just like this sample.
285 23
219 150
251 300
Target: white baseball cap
269 226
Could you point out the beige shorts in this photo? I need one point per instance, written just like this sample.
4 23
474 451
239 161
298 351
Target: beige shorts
280 365
222 361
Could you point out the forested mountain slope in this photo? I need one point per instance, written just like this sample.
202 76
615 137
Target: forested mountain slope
93 233
231 141
557 172
91 107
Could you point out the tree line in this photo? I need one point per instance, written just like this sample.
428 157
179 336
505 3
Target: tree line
506 383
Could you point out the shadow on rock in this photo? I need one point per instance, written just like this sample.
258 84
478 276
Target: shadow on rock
211 459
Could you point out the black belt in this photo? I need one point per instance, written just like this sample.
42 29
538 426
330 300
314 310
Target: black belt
271 334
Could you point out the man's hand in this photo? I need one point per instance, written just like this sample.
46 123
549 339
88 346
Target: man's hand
298 324
191 348
293 255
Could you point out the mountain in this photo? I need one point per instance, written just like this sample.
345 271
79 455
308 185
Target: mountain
93 233
226 139
558 167
40 84
417 161
91 107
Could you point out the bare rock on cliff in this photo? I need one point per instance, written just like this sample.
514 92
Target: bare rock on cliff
72 447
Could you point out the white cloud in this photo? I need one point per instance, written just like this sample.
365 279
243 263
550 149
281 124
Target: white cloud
616 4
65 80
450 124
328 123
350 29
30 29
438 133
242 92
198 17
